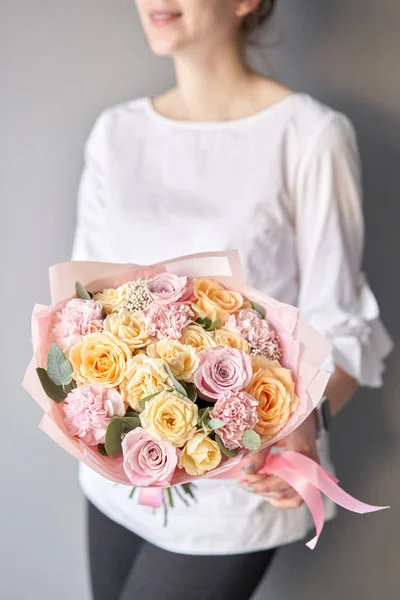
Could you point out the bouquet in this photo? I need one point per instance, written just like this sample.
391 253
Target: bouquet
158 376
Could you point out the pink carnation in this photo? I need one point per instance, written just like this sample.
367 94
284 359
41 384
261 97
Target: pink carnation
222 370
169 320
255 330
147 461
89 409
168 288
77 319
238 410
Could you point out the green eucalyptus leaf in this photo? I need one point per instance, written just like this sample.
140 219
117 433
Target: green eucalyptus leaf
143 401
258 308
215 424
251 440
116 431
131 413
214 325
204 417
178 386
222 447
81 292
191 392
58 368
53 391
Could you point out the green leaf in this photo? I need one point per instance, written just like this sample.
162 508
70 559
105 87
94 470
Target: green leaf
214 325
191 392
53 391
81 292
178 386
116 431
102 449
144 401
258 308
251 440
58 368
215 424
229 453
204 416
131 413
187 488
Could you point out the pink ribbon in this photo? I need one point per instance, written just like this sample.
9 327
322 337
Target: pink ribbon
309 479
304 475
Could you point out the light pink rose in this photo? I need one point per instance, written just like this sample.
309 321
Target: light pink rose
255 330
77 319
147 461
238 410
222 370
168 288
89 409
169 320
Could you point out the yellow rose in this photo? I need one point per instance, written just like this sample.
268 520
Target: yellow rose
144 376
223 337
274 389
201 454
170 417
182 360
111 299
198 337
215 301
133 329
99 358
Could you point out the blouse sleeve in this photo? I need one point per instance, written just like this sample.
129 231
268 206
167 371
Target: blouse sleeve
334 295
91 221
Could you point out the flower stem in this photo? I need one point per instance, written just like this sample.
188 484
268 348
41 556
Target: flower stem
133 490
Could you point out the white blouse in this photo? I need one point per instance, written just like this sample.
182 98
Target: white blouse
282 186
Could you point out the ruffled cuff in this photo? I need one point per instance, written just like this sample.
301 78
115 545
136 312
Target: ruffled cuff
360 341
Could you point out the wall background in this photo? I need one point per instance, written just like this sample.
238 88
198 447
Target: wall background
61 63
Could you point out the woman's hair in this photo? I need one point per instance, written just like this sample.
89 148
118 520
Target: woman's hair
259 16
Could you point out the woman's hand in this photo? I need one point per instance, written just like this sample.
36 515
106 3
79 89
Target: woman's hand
278 493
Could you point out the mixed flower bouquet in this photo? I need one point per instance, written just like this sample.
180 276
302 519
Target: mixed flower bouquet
157 376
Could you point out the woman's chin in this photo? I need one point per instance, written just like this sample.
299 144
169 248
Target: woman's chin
165 47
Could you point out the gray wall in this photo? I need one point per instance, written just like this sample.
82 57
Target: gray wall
61 63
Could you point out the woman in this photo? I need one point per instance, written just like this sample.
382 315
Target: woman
228 158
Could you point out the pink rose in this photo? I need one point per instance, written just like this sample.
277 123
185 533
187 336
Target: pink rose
256 331
238 410
147 461
222 370
169 320
89 409
77 319
168 288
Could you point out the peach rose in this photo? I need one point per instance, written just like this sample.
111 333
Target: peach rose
99 358
274 389
198 337
170 417
183 360
223 337
143 376
132 328
215 301
111 299
201 454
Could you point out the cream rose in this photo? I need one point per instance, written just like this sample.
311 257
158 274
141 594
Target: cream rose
99 358
198 337
170 417
223 337
133 329
183 360
274 389
201 454
215 301
111 299
144 376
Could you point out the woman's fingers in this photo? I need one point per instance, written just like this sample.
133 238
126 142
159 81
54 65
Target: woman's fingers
294 501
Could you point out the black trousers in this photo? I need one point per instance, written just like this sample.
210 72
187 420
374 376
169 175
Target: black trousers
125 567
